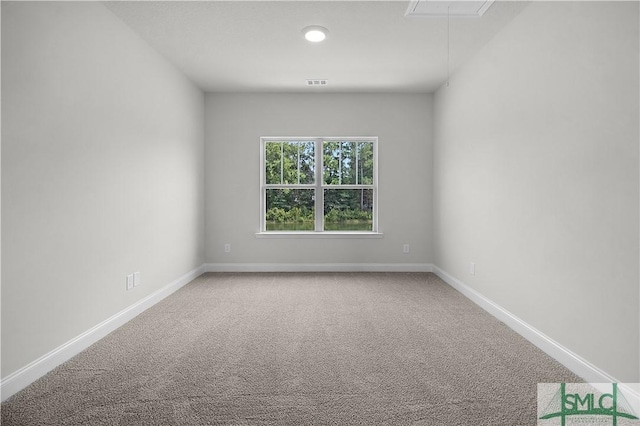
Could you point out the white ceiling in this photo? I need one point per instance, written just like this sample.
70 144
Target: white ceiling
257 46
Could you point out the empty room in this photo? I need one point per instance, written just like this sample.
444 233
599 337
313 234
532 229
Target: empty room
320 212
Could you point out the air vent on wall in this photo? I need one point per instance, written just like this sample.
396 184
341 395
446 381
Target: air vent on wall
454 9
318 82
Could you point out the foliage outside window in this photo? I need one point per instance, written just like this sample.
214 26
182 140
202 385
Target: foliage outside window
318 184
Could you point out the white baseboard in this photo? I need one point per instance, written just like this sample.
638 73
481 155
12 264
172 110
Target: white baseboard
566 357
38 368
319 267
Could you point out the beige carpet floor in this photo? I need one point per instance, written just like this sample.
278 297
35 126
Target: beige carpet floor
299 349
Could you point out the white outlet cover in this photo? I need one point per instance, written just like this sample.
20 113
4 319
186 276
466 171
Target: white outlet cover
136 279
129 281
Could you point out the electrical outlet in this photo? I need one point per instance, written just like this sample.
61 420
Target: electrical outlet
129 281
405 248
472 268
136 279
227 248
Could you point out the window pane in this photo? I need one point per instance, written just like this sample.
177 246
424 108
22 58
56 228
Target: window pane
348 163
273 163
289 162
307 162
365 163
331 163
289 210
348 209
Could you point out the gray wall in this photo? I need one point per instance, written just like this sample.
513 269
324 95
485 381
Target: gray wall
234 125
536 176
102 173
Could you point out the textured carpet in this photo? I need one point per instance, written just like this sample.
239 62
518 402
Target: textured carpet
296 349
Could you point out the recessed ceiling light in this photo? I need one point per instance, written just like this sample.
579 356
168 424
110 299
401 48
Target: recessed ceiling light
315 33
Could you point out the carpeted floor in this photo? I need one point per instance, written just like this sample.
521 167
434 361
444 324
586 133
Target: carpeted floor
299 349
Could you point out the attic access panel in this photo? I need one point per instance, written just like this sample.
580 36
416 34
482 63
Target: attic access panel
452 8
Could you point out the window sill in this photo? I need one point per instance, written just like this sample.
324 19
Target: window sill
314 235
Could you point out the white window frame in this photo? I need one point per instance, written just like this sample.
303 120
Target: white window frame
319 188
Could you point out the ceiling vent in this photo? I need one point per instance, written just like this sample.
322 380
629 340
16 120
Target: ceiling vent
320 82
452 8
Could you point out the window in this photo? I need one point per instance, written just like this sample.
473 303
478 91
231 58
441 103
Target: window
325 185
